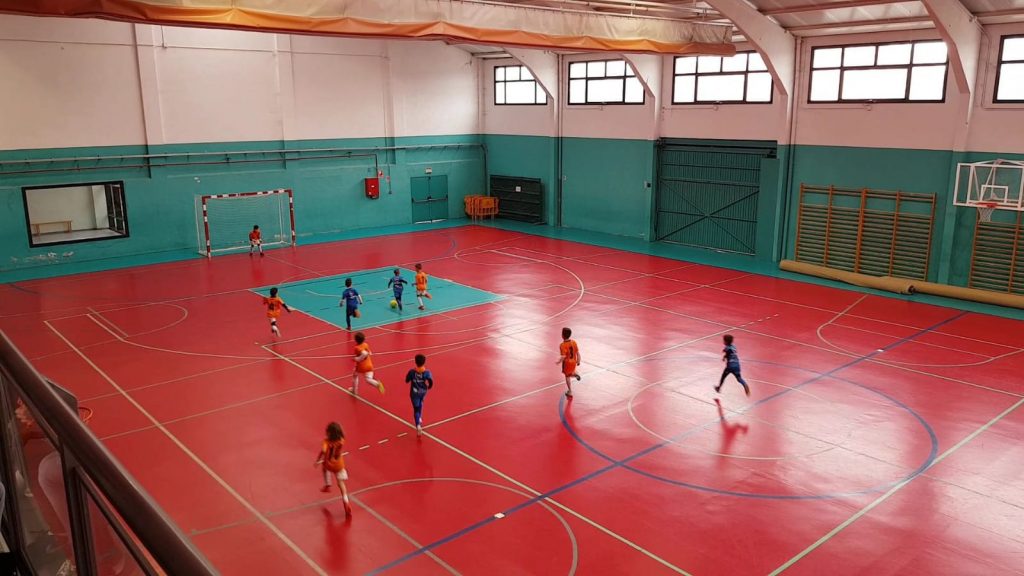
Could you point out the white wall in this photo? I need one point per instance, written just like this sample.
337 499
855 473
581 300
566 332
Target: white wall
517 120
895 125
56 204
71 83
995 127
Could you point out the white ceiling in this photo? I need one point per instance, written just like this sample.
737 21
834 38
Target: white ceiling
800 17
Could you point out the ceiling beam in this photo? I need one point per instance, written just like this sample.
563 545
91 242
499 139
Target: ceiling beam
774 43
861 23
827 6
962 33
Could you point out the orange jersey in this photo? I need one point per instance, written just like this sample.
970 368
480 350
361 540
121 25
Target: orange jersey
254 235
421 281
569 351
331 455
364 365
274 306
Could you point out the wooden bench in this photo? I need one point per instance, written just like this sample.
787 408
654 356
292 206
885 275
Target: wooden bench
64 224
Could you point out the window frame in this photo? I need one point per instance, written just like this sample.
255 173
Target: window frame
107 184
999 70
746 73
587 79
537 86
842 68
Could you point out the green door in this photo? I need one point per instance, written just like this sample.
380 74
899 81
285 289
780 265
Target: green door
429 198
707 194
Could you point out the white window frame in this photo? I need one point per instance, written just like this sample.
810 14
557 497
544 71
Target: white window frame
844 69
538 90
1000 62
697 74
628 73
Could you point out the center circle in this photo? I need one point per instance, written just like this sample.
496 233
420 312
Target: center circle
627 462
731 426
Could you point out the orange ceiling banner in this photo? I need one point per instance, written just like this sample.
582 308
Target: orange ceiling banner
470 21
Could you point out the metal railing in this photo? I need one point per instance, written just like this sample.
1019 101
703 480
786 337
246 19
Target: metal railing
71 508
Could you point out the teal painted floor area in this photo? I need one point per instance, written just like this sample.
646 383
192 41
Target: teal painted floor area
736 262
320 297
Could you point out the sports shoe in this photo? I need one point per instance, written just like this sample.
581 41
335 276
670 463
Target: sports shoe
419 430
423 307
568 394
380 386
747 390
718 389
348 508
326 488
578 377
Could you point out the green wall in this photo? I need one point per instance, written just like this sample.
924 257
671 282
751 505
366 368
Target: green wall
160 199
604 187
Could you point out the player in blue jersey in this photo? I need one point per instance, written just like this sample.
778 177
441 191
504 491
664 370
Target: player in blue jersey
420 380
732 365
350 300
397 284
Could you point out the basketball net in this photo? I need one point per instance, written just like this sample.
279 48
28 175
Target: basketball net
985 211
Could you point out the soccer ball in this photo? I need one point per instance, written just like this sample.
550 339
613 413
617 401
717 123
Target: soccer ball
394 303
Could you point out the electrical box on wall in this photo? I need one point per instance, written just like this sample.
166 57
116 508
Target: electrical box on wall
372 188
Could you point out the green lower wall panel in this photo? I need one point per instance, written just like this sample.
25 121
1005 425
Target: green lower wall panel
526 157
160 199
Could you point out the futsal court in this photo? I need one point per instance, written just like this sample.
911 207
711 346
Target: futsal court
882 435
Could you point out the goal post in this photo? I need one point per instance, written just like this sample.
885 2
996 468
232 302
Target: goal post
224 221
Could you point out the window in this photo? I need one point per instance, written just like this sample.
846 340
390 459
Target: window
903 72
515 85
714 79
75 213
604 82
1010 76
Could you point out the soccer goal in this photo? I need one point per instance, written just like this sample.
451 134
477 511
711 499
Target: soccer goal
224 221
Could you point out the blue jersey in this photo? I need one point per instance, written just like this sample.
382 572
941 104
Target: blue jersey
351 298
732 360
397 284
419 382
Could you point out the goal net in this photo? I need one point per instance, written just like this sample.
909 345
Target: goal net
224 221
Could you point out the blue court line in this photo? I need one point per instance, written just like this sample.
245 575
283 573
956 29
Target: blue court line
655 447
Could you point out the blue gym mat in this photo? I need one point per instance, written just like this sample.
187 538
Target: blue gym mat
320 297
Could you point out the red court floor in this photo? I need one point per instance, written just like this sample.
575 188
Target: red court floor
881 437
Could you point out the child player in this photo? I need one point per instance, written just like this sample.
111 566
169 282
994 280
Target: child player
397 284
420 380
364 365
732 365
255 240
569 359
274 305
350 300
333 464
421 286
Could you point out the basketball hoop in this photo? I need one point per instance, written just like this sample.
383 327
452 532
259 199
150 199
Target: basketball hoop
985 211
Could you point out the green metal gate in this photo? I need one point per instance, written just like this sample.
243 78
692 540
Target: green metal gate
707 194
429 198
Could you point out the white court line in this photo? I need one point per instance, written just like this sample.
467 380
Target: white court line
107 321
199 462
380 518
493 470
878 501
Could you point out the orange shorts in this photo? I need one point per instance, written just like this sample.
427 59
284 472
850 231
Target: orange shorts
568 367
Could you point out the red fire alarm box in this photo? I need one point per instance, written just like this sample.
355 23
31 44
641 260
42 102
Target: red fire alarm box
373 188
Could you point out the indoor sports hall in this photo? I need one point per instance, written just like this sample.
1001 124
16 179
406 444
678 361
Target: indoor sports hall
786 237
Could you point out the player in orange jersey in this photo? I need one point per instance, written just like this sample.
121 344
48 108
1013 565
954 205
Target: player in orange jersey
570 358
274 305
421 286
364 365
333 464
256 240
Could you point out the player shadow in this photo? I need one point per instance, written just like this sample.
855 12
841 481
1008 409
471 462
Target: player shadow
729 430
